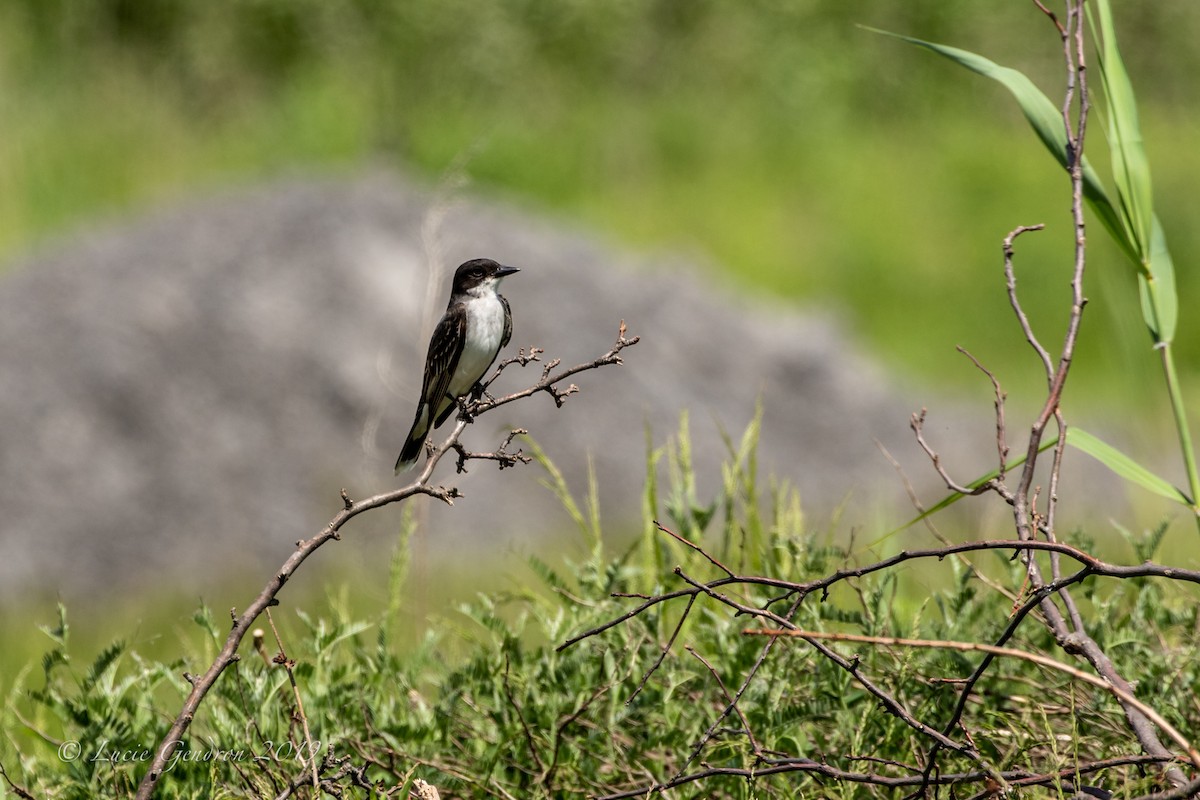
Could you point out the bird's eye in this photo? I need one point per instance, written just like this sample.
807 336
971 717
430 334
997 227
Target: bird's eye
476 273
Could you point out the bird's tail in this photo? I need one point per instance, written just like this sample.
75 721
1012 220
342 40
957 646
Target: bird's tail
409 455
415 442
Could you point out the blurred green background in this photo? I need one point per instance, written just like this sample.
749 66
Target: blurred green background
798 154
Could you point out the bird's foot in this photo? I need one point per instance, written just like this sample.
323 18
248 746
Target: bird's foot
465 404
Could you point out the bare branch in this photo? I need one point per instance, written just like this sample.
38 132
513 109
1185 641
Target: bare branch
243 623
1026 517
549 382
1092 566
820 769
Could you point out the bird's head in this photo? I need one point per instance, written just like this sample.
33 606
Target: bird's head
479 275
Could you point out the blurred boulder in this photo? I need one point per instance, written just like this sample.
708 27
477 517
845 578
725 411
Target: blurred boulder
185 394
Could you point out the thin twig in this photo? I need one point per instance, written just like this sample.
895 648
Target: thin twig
737 696
1015 302
512 701
549 382
547 779
933 530
998 404
289 664
917 423
725 692
666 649
500 454
695 547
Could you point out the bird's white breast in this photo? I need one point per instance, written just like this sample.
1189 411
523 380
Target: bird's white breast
485 329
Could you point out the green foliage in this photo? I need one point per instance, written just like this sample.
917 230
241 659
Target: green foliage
516 716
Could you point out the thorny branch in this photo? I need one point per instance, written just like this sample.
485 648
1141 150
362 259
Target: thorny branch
201 685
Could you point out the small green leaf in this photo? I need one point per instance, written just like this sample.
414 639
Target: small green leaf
1123 465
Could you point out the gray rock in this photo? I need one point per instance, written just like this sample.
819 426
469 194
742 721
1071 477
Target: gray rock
185 394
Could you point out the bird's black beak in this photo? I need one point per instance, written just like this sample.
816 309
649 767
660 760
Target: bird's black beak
500 273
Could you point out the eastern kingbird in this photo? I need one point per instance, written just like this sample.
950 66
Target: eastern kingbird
477 324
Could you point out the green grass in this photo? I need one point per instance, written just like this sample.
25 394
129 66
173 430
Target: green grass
483 702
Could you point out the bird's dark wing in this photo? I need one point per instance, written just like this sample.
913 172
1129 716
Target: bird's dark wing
445 348
507 324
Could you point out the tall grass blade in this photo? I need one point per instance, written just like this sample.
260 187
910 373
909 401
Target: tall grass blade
1123 465
653 563
398 569
555 481
1131 170
1131 173
1156 288
1047 123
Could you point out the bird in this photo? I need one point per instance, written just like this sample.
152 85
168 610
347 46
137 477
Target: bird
476 326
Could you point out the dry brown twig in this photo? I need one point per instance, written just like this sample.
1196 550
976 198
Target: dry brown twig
334 768
201 685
